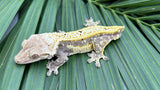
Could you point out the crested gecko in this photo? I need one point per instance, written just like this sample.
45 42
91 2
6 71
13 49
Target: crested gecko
63 44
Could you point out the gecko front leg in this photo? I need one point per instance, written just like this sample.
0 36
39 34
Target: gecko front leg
53 65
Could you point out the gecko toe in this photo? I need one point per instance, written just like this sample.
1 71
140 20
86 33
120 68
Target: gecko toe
97 64
56 72
105 58
49 73
90 60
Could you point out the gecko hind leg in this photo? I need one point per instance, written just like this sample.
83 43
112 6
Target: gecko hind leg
96 57
99 44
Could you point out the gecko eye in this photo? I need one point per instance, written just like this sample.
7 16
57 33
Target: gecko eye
35 56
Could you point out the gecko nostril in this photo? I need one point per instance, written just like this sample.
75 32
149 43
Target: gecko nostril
18 62
15 59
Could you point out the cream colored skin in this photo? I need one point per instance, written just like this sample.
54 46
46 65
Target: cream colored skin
34 49
45 46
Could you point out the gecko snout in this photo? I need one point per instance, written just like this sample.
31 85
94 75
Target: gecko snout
16 60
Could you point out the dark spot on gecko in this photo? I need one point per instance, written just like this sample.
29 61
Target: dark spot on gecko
80 31
54 58
64 34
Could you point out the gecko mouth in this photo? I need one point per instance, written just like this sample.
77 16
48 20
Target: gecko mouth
25 60
28 60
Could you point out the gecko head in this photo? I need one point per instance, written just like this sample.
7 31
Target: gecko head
34 49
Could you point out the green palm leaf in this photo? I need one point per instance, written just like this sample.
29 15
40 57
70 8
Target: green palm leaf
134 58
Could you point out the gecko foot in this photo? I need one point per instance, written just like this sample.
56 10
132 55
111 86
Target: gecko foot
96 57
90 22
55 64
52 67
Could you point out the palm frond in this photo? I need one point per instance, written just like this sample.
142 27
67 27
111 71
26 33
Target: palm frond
134 58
